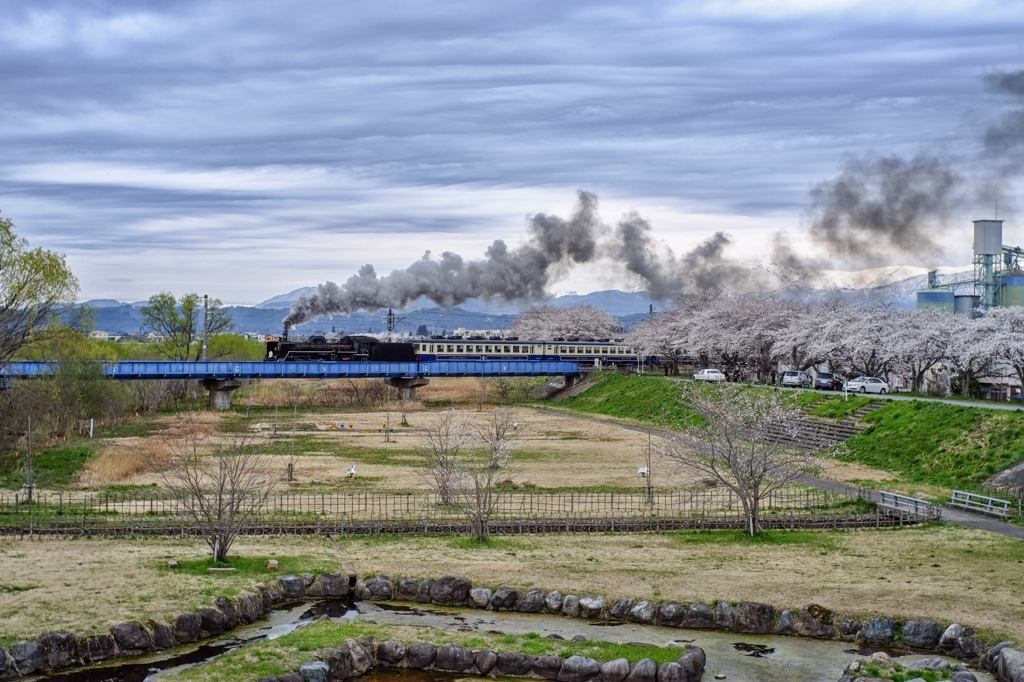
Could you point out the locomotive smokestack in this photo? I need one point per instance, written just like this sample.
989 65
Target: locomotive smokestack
284 336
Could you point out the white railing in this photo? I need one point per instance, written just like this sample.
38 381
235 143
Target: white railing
981 503
910 505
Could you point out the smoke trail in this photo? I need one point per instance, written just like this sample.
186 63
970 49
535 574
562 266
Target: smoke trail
1006 138
879 207
512 275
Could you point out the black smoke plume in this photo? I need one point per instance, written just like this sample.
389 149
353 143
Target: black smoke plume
881 207
513 275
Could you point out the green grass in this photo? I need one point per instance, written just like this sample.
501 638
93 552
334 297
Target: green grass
902 674
129 428
939 444
644 399
254 567
54 466
837 408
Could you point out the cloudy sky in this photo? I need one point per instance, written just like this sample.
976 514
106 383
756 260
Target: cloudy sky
245 149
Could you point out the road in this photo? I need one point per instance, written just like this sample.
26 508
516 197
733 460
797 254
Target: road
949 515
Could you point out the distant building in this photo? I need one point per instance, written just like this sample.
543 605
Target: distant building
102 336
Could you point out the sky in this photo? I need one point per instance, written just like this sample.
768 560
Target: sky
246 149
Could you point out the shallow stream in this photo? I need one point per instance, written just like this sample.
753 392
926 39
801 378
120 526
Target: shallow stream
741 658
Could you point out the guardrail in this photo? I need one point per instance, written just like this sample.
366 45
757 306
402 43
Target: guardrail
981 503
910 505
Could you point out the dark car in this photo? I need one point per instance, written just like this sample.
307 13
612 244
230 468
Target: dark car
829 382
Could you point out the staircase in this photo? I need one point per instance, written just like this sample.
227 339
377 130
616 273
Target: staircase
815 433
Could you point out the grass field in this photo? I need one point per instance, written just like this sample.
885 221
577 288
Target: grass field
946 573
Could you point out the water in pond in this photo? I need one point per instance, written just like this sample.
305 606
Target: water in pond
755 659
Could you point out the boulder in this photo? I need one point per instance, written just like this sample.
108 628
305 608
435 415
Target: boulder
7 665
815 621
949 636
621 608
211 621
273 678
591 607
423 591
642 612
929 664
693 662
420 655
339 661
571 605
848 629
921 634
132 638
698 617
380 588
250 607
553 602
59 649
669 613
531 602
92 649
450 590
307 578
511 663
328 585
754 618
362 658
615 670
878 631
786 624
547 667
405 589
481 597
185 627
724 619
485 661
292 586
504 598
276 592
645 670
672 672
454 657
391 652
290 677
227 607
315 671
697 654
28 657
992 657
361 591
578 669
964 676
163 637
264 592
968 647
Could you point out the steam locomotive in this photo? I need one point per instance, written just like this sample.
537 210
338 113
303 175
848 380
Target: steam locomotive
593 352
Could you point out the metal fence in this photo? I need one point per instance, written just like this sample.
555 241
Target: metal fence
102 514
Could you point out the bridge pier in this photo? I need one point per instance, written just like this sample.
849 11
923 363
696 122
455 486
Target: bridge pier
407 386
220 392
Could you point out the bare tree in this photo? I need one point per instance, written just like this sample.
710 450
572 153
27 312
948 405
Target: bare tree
442 441
738 445
479 469
221 492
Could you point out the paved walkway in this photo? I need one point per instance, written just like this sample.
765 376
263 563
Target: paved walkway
955 516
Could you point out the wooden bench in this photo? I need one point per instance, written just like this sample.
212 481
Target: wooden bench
982 504
909 505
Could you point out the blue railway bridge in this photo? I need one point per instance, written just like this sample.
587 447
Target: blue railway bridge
220 378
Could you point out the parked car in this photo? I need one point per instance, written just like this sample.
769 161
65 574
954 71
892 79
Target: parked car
867 385
798 379
709 375
828 381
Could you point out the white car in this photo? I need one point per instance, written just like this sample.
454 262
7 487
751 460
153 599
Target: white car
798 379
709 375
867 385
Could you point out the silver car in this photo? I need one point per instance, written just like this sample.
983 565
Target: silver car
709 375
798 379
867 385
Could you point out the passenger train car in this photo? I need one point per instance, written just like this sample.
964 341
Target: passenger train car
593 353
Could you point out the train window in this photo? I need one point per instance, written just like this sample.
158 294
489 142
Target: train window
589 350
458 349
604 351
487 349
507 350
451 349
562 350
479 349
515 349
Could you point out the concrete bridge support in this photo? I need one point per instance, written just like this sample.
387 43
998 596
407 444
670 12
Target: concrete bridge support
220 392
407 386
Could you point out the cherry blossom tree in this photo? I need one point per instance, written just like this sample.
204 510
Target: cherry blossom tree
578 321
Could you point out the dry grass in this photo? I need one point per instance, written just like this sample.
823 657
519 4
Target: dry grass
340 392
86 586
123 459
946 573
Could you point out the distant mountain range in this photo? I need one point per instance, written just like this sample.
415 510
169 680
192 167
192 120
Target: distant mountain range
897 286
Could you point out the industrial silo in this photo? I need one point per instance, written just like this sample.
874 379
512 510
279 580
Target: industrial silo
988 251
943 299
965 305
1012 289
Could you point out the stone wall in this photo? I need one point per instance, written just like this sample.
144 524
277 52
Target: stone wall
812 620
354 658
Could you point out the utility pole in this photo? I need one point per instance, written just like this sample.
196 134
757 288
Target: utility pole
206 321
